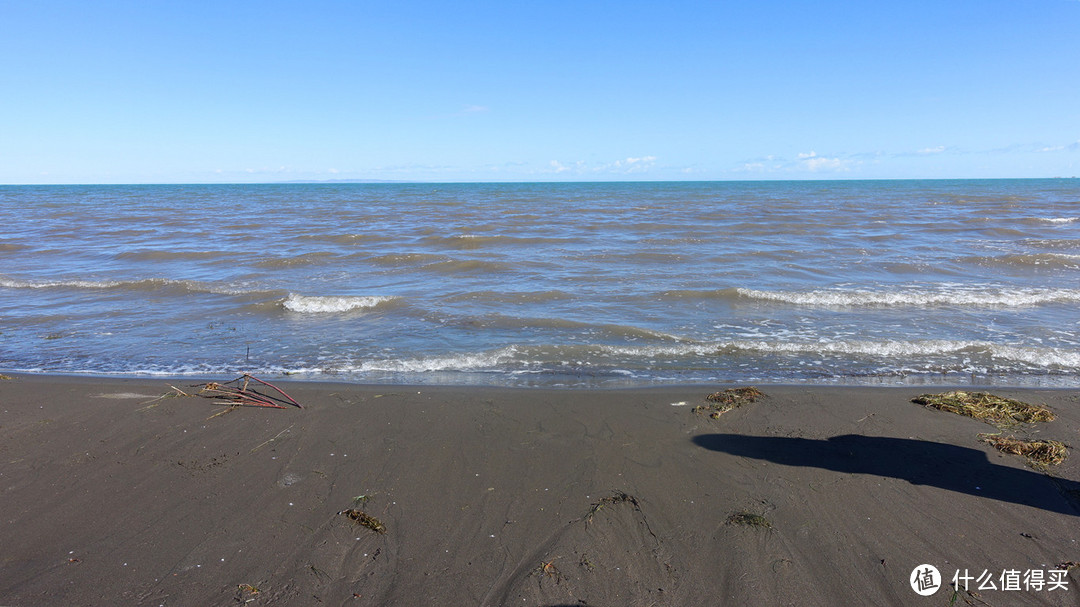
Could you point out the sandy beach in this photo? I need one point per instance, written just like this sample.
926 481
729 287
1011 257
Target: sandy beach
111 495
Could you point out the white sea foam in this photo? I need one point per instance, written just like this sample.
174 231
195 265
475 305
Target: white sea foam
938 296
1059 219
890 349
313 304
1038 357
973 356
47 284
528 356
463 361
916 349
146 284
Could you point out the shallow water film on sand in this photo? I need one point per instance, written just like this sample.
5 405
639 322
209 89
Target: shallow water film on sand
604 284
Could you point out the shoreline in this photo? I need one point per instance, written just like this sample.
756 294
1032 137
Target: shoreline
526 496
918 382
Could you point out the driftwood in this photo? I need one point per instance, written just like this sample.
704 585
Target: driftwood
240 392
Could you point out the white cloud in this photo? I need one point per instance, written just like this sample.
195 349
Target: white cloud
814 163
475 109
509 165
860 162
827 164
1072 147
626 166
752 167
804 162
268 171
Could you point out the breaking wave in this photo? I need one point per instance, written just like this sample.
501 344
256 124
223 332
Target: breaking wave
954 296
964 354
311 304
1037 260
158 285
891 349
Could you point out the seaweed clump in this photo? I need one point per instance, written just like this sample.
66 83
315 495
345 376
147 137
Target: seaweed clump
617 497
364 520
548 569
749 519
983 406
1045 452
726 400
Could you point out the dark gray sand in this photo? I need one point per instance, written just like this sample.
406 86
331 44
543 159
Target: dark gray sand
112 496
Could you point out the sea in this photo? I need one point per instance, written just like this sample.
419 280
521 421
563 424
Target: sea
576 285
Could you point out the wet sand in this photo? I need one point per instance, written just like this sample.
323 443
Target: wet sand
110 495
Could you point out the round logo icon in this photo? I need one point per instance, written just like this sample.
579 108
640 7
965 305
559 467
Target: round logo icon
925 580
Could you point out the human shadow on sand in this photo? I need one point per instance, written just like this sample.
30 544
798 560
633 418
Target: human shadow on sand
919 462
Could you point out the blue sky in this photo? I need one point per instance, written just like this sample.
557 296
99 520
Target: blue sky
165 92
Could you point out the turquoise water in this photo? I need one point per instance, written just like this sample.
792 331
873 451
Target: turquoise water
604 284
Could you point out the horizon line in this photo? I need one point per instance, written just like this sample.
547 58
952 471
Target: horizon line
519 181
